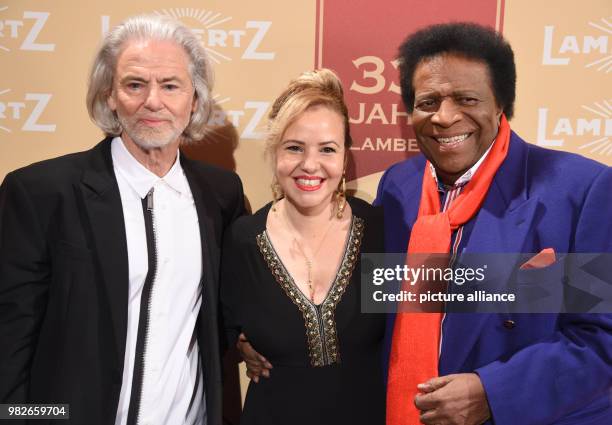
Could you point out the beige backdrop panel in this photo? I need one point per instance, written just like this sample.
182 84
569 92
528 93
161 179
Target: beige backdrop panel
563 54
46 49
44 55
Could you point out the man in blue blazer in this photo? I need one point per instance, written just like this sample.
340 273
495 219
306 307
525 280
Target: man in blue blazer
458 80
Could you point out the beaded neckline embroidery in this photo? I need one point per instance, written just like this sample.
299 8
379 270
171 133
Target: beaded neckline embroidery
319 320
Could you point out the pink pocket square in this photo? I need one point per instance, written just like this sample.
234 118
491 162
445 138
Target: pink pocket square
542 259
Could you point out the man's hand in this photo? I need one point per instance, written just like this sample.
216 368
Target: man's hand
457 399
256 364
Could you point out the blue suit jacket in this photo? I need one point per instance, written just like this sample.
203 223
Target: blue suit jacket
550 368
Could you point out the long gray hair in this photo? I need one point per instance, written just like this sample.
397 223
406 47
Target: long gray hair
148 27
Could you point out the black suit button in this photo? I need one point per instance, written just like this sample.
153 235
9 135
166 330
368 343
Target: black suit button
509 324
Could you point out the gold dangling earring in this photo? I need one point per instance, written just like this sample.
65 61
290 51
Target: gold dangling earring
277 193
341 197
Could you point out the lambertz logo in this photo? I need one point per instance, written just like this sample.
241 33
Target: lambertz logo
591 134
247 119
590 47
23 30
351 40
23 112
224 38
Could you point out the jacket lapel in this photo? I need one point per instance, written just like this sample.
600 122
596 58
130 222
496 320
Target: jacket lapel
209 218
401 205
207 210
502 225
106 229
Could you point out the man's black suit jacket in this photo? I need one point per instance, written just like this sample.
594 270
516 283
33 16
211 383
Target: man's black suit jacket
64 282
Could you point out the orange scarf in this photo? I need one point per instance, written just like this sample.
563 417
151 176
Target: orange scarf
416 336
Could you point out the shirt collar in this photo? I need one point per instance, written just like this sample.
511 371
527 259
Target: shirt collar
140 179
465 177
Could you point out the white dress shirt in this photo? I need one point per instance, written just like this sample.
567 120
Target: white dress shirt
172 388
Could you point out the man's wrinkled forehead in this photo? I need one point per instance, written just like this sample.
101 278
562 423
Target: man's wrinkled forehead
151 52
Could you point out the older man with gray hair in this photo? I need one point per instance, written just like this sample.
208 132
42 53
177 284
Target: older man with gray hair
109 258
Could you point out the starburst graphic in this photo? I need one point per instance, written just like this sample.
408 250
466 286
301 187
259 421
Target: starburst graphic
218 101
1 93
603 64
208 19
606 28
601 146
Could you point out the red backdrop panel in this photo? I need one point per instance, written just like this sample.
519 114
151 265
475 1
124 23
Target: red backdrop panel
359 40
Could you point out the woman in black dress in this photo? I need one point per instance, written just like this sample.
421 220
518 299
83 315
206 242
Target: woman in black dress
291 272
